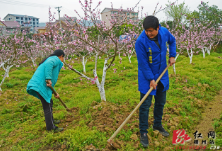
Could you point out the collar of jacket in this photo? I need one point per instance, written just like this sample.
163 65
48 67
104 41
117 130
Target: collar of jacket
160 40
58 60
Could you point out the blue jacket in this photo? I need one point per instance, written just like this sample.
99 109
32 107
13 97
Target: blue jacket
152 60
49 69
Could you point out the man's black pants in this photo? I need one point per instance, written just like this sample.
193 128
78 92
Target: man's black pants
160 100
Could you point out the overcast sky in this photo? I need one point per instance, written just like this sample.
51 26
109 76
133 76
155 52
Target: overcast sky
39 8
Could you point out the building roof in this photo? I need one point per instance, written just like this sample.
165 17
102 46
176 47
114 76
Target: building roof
11 24
37 28
1 22
68 22
68 18
88 23
42 24
115 9
17 15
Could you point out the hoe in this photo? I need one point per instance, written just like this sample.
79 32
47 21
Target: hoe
110 140
67 109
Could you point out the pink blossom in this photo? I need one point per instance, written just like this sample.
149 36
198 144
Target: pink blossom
86 37
90 49
95 77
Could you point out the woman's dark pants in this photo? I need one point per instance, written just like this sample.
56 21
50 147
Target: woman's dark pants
160 100
47 107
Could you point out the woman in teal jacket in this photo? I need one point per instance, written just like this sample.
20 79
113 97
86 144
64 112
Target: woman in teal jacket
48 70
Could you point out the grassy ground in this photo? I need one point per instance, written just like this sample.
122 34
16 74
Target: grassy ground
217 124
93 122
218 127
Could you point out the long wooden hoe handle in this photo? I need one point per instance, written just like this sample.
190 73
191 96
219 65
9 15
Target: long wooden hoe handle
59 97
127 119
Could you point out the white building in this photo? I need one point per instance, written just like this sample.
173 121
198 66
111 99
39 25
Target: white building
23 20
111 13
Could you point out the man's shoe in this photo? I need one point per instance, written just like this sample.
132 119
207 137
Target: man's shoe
161 130
144 140
56 130
57 121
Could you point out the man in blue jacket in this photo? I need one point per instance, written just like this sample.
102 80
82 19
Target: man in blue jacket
151 53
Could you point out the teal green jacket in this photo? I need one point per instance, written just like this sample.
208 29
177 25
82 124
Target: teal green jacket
49 69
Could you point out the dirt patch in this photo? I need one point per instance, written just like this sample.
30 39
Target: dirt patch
69 118
108 117
73 115
91 148
30 69
212 111
114 145
74 109
57 147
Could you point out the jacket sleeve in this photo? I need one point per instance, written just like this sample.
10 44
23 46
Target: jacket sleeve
49 65
172 44
142 58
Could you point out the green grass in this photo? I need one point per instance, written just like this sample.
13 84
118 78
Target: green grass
217 124
22 118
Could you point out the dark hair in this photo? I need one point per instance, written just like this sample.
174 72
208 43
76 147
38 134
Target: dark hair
150 22
57 52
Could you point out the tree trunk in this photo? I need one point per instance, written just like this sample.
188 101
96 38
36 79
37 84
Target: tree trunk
208 50
129 57
100 86
102 93
190 54
84 64
33 62
174 65
5 75
203 52
3 81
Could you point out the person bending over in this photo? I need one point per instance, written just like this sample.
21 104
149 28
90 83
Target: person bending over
47 75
